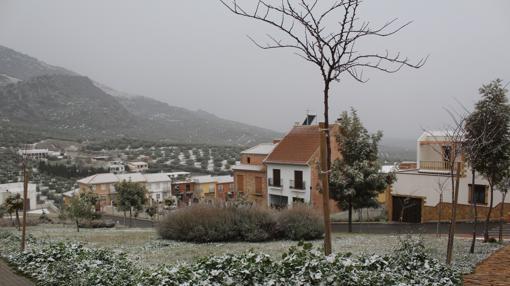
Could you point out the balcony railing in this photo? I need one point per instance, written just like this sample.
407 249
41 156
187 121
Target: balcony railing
297 185
438 166
271 183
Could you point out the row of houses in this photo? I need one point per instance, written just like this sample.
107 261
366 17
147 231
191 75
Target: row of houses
284 172
181 187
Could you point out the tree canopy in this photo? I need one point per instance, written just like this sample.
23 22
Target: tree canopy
356 177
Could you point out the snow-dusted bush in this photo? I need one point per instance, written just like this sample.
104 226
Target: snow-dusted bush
213 223
73 264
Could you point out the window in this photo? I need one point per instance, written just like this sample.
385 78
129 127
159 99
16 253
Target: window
447 152
220 188
298 180
276 178
248 160
480 194
258 185
188 187
240 183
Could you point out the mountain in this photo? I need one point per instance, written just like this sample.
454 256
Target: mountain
47 101
23 67
196 126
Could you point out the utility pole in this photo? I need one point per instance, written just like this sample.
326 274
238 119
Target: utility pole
324 174
25 195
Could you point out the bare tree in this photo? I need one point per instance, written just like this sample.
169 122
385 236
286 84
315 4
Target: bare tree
440 188
326 35
452 139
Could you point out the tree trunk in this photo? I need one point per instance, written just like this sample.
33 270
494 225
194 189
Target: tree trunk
475 212
77 226
451 233
17 220
325 174
501 213
130 217
488 218
439 212
350 215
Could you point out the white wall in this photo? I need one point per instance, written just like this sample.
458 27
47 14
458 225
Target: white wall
426 185
15 188
287 174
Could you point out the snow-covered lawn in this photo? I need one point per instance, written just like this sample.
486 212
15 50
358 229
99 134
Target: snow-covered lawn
145 246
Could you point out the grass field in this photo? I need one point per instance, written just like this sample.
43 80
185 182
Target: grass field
145 246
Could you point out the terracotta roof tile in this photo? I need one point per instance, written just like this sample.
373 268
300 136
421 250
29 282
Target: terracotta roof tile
297 147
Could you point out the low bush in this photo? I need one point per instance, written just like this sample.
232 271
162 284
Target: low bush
210 223
205 223
98 224
301 222
73 264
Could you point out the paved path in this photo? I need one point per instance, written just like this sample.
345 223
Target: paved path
493 271
9 278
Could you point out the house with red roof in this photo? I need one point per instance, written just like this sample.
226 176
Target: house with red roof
292 168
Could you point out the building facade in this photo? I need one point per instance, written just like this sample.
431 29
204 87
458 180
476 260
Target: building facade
250 177
292 168
423 191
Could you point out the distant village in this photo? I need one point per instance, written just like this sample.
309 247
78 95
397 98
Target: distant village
275 174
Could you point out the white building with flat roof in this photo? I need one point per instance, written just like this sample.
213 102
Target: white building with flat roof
11 189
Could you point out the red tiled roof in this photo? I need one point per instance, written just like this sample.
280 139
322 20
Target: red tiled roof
297 147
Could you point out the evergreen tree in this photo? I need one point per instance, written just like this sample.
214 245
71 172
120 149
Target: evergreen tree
130 196
356 180
13 204
81 207
491 116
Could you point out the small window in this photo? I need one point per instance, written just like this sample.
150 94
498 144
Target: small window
447 152
258 185
480 194
276 178
248 160
240 183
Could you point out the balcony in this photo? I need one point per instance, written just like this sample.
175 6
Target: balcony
301 186
438 166
271 182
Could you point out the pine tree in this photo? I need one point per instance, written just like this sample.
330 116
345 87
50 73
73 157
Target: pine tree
356 179
491 119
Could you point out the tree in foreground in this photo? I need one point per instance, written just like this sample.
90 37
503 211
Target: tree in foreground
13 204
130 196
356 179
82 207
503 187
328 35
454 135
491 116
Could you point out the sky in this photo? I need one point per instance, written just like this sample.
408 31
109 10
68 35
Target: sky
196 54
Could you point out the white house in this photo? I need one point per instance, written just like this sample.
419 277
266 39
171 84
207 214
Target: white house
138 166
292 167
116 167
11 189
34 154
423 191
159 186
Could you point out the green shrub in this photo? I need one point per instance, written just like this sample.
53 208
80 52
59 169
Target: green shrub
301 222
205 223
66 263
210 223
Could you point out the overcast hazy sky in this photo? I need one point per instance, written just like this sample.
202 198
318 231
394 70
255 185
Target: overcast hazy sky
195 54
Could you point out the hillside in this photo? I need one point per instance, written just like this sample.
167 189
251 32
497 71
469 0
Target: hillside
196 126
38 101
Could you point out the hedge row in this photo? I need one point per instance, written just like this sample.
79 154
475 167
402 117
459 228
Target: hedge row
212 223
73 264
